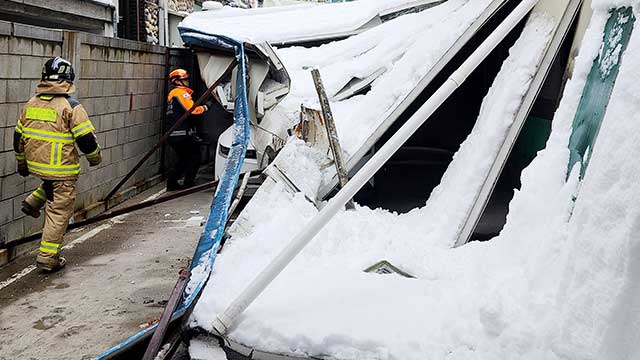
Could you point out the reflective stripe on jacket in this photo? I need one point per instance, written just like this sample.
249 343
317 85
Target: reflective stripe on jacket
47 130
179 101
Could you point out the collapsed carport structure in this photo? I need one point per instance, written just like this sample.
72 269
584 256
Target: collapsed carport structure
553 39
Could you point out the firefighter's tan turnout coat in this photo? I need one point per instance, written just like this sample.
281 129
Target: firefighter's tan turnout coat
50 127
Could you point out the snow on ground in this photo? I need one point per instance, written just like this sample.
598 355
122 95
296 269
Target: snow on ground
288 23
550 286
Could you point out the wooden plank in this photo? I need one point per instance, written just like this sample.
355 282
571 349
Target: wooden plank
332 133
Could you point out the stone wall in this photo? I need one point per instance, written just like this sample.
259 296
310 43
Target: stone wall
120 83
152 21
185 6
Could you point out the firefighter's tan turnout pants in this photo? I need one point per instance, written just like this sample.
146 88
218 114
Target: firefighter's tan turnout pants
59 197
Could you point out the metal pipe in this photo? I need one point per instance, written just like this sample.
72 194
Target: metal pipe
165 22
138 20
115 18
163 324
165 91
226 319
238 198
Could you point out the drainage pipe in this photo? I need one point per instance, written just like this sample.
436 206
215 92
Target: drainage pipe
225 320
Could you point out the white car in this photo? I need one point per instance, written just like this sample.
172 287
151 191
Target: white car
269 134
222 152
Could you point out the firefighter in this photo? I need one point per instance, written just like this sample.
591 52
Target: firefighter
183 139
49 128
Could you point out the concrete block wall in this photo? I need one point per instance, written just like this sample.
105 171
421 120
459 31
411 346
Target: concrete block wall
23 50
120 83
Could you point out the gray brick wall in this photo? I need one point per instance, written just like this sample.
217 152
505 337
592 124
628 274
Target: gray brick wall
21 61
121 86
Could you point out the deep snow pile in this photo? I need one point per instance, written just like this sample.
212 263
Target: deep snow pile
289 23
550 286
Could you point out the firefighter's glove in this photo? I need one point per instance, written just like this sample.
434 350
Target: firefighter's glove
209 103
94 158
23 170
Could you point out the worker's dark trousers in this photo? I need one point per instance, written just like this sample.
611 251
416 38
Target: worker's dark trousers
188 151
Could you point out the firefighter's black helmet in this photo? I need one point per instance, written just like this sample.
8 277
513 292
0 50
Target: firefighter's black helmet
58 68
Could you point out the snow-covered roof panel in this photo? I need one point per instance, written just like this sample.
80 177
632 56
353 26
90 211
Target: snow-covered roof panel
292 23
403 48
330 271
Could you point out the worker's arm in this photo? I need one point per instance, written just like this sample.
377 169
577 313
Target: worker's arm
84 135
18 148
184 98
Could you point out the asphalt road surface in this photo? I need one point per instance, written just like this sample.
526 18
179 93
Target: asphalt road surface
118 277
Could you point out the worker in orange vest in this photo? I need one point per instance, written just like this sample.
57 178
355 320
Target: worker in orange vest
183 139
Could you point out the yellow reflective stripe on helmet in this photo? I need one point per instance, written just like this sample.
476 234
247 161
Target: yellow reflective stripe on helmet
45 97
48 136
41 114
40 194
82 129
49 169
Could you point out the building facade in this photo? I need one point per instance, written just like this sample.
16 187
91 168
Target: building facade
92 16
152 21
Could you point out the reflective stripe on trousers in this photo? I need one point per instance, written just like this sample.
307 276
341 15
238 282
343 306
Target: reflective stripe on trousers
58 211
49 247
